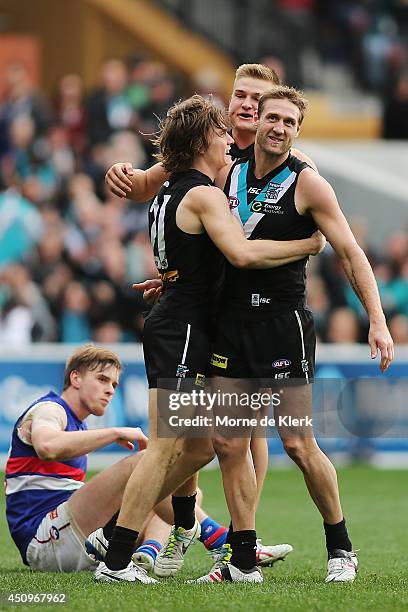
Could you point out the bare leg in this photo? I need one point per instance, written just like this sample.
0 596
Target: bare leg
155 529
236 465
260 458
301 446
160 455
97 501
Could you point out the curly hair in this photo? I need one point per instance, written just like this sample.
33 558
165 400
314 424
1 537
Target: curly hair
184 133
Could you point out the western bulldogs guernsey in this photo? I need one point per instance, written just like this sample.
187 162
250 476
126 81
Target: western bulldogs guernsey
266 210
35 487
188 263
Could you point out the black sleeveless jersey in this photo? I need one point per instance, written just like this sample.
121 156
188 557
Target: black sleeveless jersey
266 210
187 263
236 153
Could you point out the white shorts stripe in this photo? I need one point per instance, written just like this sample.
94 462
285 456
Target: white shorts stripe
302 341
183 359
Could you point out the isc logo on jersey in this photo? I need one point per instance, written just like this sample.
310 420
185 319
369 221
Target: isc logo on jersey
257 300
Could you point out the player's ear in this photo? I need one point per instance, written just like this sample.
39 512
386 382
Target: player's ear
75 379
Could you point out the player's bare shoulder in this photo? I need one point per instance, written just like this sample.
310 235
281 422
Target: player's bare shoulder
313 191
204 197
305 158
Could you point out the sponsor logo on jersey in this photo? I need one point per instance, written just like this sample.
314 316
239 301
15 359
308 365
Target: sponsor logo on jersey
233 202
280 375
219 361
200 380
281 363
170 277
254 190
273 191
181 370
305 365
257 300
266 208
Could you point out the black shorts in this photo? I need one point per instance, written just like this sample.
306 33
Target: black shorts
277 349
176 354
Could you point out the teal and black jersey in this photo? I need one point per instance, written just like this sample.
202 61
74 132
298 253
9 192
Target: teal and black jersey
266 210
187 263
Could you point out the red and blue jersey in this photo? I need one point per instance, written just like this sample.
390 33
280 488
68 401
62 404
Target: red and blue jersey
35 487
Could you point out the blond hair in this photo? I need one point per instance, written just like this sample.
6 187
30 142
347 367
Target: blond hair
282 92
89 357
257 71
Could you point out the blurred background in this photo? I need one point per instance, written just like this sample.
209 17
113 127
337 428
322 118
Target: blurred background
81 86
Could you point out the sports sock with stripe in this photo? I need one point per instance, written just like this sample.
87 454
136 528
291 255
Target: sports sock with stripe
213 535
151 548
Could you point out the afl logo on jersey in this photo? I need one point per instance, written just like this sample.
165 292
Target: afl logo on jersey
281 363
233 202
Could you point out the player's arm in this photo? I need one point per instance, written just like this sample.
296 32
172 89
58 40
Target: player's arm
210 205
52 443
140 185
303 157
317 197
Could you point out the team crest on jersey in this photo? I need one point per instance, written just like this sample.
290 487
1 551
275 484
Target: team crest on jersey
273 191
181 370
233 202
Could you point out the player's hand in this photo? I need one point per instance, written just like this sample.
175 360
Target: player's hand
152 290
127 435
118 181
379 339
318 242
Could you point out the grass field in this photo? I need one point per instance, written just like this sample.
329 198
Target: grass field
375 505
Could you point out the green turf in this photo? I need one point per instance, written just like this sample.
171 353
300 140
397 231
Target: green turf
375 503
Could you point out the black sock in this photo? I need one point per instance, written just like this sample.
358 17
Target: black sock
229 534
184 511
108 528
337 537
121 547
243 549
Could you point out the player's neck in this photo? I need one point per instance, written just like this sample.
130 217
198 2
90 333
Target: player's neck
243 138
204 166
71 397
266 162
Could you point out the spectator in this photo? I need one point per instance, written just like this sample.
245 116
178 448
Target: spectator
395 115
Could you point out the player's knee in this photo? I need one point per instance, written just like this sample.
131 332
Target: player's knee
230 448
297 450
199 456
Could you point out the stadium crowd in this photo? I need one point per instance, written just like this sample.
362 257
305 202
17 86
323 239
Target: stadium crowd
69 250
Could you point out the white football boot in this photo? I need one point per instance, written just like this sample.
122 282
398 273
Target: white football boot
96 545
171 557
229 573
131 573
342 566
266 556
